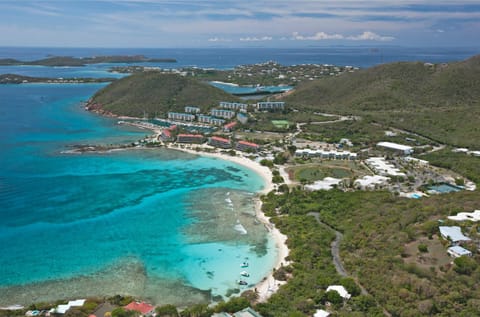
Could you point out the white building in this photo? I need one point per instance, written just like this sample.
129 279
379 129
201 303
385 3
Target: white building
382 167
371 182
462 216
399 148
192 109
181 116
454 233
457 251
233 105
270 105
335 155
340 290
222 113
210 120
321 313
325 184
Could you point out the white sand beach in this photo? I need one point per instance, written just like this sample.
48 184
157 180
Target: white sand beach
268 285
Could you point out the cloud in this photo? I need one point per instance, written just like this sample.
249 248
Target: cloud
320 36
256 39
317 37
218 39
370 36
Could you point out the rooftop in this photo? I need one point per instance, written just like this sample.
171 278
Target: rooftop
395 146
459 250
340 290
472 216
142 307
454 233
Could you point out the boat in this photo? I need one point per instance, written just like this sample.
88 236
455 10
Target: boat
244 264
242 282
245 274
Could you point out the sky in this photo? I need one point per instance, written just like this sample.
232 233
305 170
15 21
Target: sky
240 23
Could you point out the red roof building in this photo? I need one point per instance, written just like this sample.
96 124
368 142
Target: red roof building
229 126
247 146
220 142
142 307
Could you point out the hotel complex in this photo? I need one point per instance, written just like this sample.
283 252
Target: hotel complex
181 116
271 105
233 105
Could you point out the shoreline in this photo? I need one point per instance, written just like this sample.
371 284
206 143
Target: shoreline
268 285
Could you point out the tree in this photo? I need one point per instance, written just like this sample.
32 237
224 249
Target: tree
167 311
465 265
350 286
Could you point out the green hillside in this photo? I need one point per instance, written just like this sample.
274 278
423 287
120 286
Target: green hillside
439 101
156 94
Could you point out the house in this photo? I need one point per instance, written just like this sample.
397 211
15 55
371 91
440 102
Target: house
340 290
461 216
457 251
190 138
247 146
398 148
142 307
62 309
247 312
369 182
220 142
326 184
454 234
384 168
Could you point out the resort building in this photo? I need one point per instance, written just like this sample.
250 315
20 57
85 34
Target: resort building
166 134
210 120
233 105
368 182
181 116
220 142
229 126
457 251
325 184
247 146
247 312
222 113
382 167
397 148
321 313
192 109
454 234
334 155
190 138
271 105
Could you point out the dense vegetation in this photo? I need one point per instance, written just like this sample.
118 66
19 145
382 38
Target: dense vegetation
377 228
466 165
155 94
438 101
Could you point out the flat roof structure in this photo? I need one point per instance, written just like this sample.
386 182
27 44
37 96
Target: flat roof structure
325 184
457 251
142 307
321 313
453 233
397 147
382 167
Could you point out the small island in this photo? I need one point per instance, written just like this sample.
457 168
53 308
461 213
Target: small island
20 79
83 61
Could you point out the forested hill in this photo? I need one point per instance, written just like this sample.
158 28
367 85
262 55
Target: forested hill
440 101
154 93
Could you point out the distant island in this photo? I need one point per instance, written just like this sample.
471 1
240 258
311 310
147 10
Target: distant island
83 61
20 79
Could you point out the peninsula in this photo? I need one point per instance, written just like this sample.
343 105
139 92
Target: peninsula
83 61
20 79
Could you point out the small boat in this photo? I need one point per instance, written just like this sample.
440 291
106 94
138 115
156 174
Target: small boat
245 273
242 282
244 264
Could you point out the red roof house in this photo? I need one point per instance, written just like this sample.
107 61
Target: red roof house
142 307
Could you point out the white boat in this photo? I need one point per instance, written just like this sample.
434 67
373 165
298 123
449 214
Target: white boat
244 264
245 274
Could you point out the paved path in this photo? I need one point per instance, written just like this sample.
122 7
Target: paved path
337 261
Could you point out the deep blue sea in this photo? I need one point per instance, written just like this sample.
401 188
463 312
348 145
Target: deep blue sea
158 224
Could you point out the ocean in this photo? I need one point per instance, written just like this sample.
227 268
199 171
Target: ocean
157 224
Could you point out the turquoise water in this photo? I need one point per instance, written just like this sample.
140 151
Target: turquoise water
159 224
246 90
